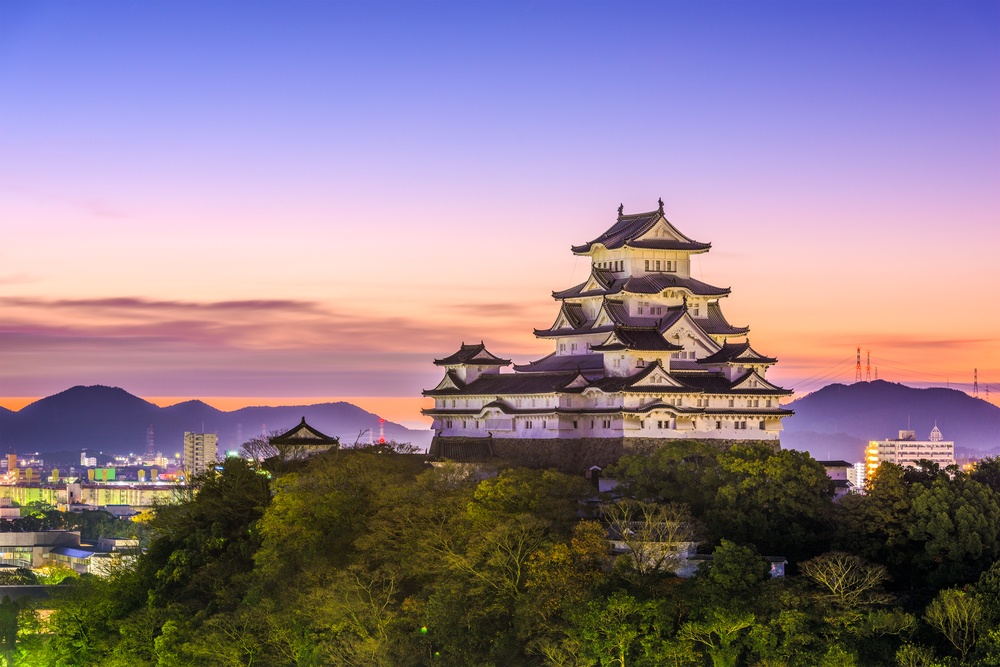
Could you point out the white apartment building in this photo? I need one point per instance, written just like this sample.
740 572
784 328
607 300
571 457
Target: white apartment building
200 451
906 450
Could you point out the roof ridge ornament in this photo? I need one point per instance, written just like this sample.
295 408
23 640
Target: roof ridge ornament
660 210
621 209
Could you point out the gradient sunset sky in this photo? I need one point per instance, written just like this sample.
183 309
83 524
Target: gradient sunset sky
254 202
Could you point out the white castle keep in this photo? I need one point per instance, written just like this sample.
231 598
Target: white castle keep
641 351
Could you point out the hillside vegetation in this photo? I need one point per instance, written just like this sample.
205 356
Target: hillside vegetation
375 558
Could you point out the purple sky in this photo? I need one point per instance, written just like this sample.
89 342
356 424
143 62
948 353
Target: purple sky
306 199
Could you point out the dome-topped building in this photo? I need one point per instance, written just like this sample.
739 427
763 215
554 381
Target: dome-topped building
641 351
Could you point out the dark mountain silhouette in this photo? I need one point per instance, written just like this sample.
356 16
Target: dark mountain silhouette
110 419
837 421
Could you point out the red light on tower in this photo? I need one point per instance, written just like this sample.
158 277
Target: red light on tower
381 431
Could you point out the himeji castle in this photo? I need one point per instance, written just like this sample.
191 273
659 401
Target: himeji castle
642 353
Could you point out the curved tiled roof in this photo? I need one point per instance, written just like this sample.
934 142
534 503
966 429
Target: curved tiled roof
518 383
717 324
303 434
650 283
654 283
730 351
562 363
640 340
467 354
660 405
629 227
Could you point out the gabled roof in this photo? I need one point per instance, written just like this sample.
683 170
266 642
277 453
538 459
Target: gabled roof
570 316
628 229
473 355
653 377
737 353
677 319
449 384
600 281
579 382
303 434
628 338
752 382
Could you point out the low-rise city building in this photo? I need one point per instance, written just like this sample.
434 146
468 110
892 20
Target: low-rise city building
842 474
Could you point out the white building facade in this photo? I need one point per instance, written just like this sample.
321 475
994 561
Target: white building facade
201 450
906 450
641 350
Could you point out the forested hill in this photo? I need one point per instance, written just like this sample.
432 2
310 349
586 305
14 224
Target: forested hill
112 420
375 558
836 421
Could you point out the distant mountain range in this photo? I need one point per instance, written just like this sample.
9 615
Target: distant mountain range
837 421
114 421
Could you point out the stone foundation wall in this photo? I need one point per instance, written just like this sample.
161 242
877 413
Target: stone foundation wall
572 455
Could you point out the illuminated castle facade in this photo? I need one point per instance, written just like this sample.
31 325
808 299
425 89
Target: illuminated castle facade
641 351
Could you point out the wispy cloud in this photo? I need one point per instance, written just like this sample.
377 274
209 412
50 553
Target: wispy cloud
126 335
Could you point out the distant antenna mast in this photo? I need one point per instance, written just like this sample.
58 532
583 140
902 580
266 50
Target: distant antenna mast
876 373
150 445
857 371
381 431
975 383
868 366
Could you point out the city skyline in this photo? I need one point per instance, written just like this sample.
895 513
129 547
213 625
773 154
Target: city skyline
315 200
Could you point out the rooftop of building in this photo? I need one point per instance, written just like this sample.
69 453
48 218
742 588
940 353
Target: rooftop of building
628 229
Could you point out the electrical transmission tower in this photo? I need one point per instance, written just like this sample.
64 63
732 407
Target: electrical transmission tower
150 445
857 370
868 366
975 383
